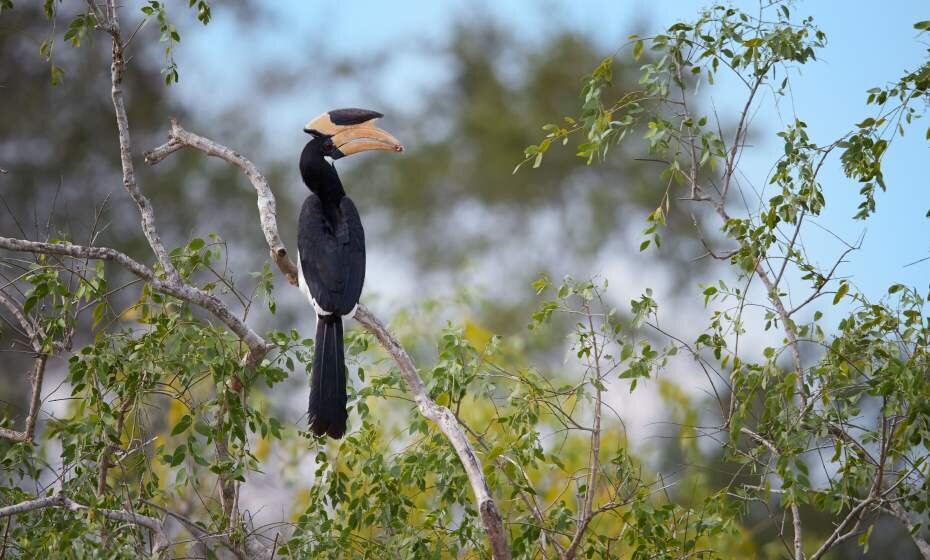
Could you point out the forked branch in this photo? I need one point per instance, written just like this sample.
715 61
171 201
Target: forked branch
190 294
160 542
267 211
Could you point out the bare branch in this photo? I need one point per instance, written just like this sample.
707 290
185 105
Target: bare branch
443 417
117 69
794 238
34 333
257 346
38 372
721 256
853 519
818 291
160 540
267 212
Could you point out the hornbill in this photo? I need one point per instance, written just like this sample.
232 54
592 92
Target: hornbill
331 252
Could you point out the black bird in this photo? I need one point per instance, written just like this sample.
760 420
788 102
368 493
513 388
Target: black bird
331 251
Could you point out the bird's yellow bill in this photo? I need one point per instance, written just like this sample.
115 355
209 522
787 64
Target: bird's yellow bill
363 137
354 138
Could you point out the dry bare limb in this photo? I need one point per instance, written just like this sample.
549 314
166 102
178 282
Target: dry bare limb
443 417
146 212
267 212
190 294
160 542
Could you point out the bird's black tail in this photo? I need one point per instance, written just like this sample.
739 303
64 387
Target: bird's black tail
328 379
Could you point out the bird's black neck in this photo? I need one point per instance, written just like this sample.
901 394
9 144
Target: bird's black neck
320 176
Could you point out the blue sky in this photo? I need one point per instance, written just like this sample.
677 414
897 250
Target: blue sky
867 46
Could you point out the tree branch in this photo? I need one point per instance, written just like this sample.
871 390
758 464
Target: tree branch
854 518
105 455
256 344
147 213
443 417
267 212
160 540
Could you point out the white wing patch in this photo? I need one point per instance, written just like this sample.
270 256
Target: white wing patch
305 289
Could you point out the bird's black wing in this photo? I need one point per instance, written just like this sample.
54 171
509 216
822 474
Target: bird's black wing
353 238
332 255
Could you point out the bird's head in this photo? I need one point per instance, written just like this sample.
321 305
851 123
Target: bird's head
340 133
343 132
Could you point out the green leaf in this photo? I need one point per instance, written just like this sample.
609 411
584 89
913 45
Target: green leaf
45 49
183 424
178 457
202 428
58 75
30 303
843 289
638 49
540 284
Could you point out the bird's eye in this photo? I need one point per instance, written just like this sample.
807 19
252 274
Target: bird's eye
328 146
